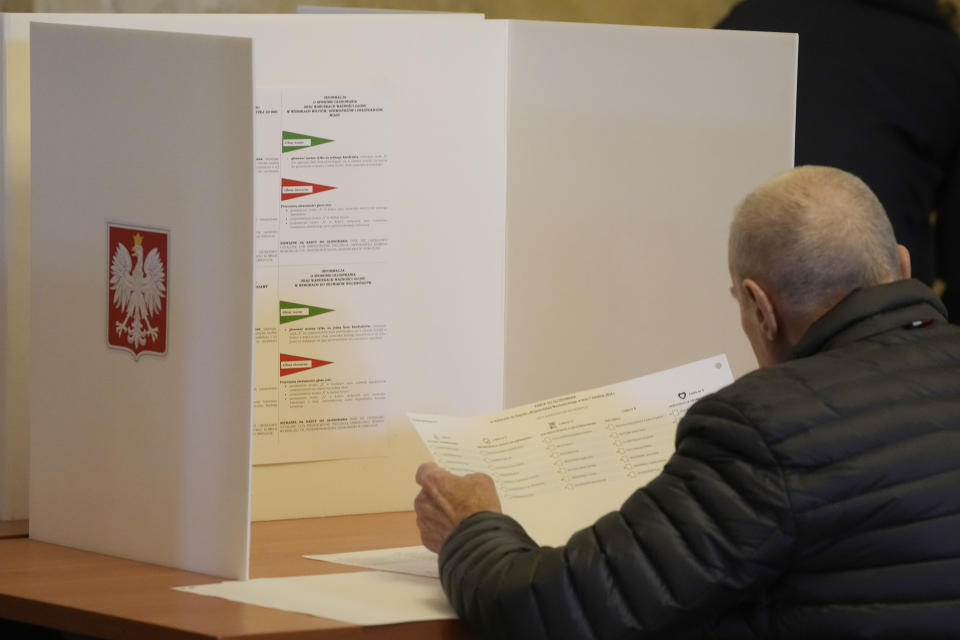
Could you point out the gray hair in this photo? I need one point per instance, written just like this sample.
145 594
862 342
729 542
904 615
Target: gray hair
813 234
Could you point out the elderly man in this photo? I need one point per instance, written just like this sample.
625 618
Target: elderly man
815 497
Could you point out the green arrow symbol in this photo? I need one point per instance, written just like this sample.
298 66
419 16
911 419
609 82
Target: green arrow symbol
292 311
293 141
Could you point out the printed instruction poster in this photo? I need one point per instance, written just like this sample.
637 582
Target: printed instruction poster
322 267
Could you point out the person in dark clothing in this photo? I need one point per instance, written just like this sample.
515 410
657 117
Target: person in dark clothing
814 497
878 94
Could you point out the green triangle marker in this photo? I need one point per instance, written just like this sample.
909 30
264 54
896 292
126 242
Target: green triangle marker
292 311
293 141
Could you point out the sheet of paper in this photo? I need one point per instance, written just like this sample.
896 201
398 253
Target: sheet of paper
363 597
561 463
418 560
323 240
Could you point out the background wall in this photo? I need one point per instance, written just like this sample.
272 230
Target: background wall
674 13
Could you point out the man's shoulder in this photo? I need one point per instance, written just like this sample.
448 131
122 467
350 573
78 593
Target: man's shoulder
753 398
765 385
855 376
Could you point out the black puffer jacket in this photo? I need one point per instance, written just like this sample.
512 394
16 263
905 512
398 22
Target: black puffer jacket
819 498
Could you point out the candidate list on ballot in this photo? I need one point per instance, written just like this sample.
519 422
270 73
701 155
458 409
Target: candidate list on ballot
581 444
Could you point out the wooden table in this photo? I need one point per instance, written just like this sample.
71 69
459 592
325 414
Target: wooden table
14 529
107 597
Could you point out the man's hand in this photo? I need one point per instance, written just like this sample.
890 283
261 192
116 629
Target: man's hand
446 499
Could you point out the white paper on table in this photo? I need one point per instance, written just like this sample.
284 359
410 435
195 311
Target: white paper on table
363 597
559 464
416 560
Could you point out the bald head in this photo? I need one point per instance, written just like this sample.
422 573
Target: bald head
811 236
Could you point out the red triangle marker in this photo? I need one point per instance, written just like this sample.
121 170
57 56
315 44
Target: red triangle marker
295 364
297 189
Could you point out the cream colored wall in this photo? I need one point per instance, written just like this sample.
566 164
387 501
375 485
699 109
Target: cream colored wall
14 280
674 13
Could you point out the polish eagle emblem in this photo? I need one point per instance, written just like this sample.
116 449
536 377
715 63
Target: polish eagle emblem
138 283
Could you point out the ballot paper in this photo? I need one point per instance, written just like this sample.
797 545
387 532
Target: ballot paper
417 560
561 463
363 597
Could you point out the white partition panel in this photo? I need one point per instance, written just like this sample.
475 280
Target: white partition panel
145 457
444 76
628 149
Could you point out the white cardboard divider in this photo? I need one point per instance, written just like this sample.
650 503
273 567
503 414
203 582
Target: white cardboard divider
629 148
441 73
144 458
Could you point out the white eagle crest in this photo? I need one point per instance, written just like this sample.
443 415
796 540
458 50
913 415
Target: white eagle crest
137 291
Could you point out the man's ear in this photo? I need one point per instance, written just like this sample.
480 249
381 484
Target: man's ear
762 307
904 261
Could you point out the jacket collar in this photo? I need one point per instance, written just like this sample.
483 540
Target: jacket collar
867 312
923 9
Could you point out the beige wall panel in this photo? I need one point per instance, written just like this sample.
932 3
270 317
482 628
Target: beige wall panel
672 13
14 279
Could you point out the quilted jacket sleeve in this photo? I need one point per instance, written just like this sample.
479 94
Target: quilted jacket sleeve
710 531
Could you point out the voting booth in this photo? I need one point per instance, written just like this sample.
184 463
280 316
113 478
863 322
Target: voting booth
341 219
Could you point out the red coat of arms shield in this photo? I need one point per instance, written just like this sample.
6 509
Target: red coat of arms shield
137 289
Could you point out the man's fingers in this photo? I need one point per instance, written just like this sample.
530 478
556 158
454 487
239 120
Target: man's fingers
437 484
431 541
445 499
424 505
482 479
425 470
433 523
429 512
